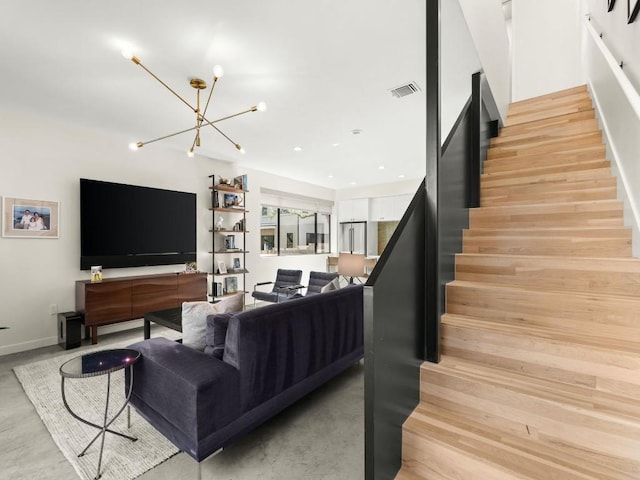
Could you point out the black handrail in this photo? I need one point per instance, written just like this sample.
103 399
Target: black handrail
401 328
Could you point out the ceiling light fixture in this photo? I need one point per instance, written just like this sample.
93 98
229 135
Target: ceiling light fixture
297 149
201 119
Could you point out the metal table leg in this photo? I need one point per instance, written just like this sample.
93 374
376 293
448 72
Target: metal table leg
106 423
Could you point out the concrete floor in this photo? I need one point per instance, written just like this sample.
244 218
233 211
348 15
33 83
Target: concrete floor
321 437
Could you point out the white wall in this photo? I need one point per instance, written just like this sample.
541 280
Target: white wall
459 60
618 107
546 47
486 22
43 160
621 38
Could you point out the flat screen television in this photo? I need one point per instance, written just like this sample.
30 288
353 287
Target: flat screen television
132 226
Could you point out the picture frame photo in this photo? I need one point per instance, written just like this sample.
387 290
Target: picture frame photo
236 263
26 218
222 267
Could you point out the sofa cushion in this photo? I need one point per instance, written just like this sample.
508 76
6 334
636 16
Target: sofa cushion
332 285
194 318
216 334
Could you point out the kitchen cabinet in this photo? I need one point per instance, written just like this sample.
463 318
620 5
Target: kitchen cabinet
353 210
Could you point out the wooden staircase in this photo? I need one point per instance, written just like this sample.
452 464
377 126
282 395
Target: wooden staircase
540 370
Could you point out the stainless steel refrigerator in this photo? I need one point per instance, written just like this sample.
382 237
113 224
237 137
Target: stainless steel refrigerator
353 237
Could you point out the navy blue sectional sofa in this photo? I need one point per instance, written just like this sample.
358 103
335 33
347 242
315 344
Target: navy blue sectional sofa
267 359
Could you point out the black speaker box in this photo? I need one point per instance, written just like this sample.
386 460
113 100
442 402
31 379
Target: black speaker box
69 330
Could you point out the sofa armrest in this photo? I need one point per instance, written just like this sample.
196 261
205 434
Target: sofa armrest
194 392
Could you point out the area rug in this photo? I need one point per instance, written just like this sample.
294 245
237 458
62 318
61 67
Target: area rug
122 459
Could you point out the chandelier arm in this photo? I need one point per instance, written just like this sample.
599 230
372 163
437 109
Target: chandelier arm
206 105
224 135
207 122
169 136
166 86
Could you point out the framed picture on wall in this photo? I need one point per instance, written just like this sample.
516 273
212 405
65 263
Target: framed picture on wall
30 218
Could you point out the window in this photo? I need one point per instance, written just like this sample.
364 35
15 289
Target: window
290 231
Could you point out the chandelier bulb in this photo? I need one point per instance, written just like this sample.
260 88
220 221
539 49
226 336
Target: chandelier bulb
218 71
190 153
126 53
262 107
135 146
240 149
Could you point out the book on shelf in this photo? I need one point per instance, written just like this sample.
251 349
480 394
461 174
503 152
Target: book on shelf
230 242
230 284
217 289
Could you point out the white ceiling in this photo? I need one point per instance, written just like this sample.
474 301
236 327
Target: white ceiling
323 67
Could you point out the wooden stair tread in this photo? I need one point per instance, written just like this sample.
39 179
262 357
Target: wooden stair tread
553 96
572 161
555 333
599 232
517 456
531 147
534 170
557 121
567 154
551 128
545 178
405 474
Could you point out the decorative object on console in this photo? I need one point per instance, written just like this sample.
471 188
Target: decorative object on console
30 218
96 273
191 267
201 119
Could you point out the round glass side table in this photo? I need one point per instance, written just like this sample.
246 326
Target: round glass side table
103 362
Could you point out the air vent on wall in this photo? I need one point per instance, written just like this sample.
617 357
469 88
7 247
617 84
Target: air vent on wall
404 90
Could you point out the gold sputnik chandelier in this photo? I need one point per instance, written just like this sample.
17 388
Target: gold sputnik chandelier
201 119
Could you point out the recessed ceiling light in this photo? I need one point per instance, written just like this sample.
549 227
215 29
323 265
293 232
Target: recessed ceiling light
400 176
356 131
330 176
381 167
353 183
335 144
297 149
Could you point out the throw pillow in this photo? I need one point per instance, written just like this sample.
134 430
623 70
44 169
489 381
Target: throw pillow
332 285
194 323
194 318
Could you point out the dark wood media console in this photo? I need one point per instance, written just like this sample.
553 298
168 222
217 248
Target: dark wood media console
115 300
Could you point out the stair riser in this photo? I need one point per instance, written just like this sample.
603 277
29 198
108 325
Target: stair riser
597 315
551 130
607 371
554 98
587 275
549 187
548 123
545 146
587 154
560 219
543 113
515 411
616 248
435 460
551 169
542 180
585 195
